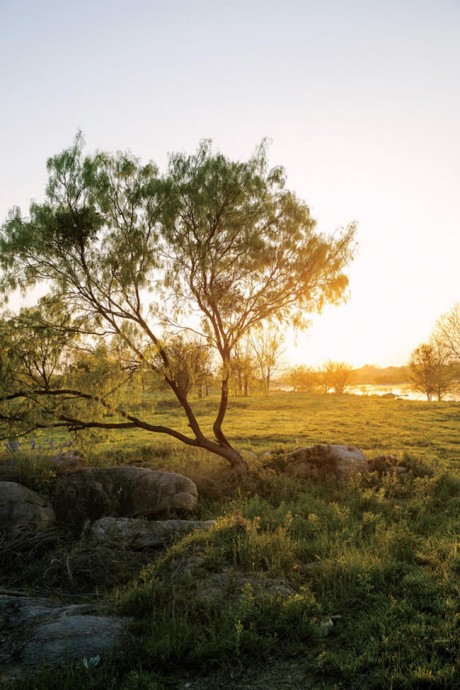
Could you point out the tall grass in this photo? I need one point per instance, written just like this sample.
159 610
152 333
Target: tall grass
300 584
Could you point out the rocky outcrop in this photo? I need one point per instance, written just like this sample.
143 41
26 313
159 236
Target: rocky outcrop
39 632
142 534
323 460
92 493
23 511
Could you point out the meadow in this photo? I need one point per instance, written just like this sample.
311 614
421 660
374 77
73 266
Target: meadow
300 584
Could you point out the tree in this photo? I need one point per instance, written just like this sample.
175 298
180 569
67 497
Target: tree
241 372
324 377
430 372
301 378
213 246
333 376
267 344
341 375
189 363
446 333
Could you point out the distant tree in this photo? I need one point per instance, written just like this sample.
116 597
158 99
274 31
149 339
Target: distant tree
334 376
133 256
446 333
242 369
190 363
430 371
301 378
342 375
267 345
324 377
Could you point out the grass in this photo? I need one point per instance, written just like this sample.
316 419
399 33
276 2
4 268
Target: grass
300 584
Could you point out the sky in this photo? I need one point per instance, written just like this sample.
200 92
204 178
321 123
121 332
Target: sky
359 99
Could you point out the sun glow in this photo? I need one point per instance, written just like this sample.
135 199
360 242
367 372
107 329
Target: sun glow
363 133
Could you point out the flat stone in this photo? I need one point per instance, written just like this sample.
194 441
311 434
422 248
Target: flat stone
39 632
141 534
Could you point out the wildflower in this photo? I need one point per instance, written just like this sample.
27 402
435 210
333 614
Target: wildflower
11 446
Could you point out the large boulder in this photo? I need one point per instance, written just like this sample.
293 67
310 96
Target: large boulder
141 534
323 460
91 493
23 511
39 632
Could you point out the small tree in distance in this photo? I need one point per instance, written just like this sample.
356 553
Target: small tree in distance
341 375
446 333
430 372
190 363
131 257
267 345
301 378
242 367
324 377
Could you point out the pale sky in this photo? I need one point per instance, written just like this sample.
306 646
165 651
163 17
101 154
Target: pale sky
360 98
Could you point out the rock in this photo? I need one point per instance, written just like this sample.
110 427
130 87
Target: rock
38 632
385 464
323 460
91 493
23 511
142 534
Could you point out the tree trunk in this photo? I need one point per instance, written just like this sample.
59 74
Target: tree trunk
224 450
221 446
238 464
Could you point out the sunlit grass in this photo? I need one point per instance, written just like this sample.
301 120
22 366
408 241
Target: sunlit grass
373 563
293 419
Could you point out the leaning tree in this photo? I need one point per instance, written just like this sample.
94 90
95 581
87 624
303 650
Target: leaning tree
130 259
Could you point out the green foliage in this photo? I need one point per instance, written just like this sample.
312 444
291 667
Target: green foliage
132 258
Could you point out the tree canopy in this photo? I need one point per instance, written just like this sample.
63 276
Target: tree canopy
132 259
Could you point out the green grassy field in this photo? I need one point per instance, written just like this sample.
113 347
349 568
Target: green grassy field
322 584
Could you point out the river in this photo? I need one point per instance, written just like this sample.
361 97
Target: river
400 390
